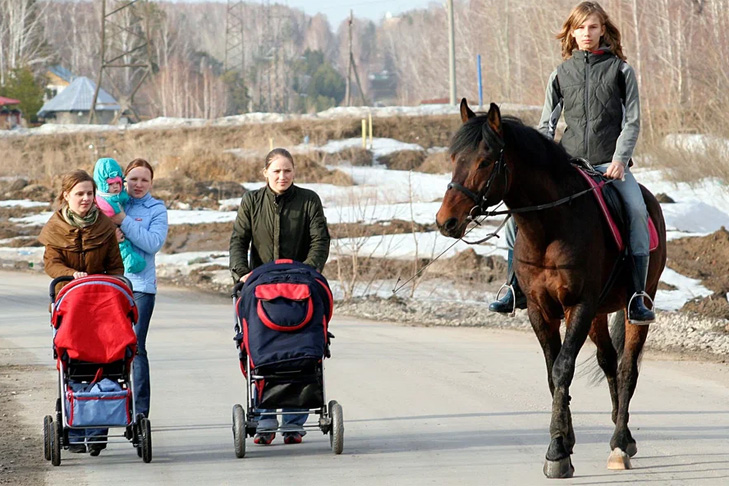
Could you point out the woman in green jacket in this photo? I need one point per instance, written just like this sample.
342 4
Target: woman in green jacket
279 221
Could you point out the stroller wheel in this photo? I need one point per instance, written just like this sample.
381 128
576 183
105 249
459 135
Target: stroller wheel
47 424
336 432
239 431
56 430
146 440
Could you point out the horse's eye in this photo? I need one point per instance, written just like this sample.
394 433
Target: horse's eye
484 163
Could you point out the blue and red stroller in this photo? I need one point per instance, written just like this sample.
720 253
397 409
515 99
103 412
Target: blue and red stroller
94 345
282 316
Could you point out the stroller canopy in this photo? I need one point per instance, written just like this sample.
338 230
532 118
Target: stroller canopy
93 317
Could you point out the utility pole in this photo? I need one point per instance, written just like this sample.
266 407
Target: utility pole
349 63
352 66
125 43
235 56
452 53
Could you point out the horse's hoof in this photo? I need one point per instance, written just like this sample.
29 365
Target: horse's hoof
632 449
619 460
561 469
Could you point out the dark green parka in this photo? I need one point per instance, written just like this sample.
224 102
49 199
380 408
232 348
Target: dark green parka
289 225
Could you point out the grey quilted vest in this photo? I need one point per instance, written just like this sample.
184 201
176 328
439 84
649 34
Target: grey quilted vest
592 87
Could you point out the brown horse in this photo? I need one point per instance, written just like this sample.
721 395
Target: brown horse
563 258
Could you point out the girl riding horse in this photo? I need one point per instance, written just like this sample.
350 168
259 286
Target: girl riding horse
597 92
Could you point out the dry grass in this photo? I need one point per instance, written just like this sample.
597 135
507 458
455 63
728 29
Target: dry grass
436 163
691 164
354 156
202 153
403 159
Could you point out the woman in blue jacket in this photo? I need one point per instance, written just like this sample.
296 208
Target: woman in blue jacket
144 224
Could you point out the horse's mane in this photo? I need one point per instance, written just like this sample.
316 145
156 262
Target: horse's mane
534 148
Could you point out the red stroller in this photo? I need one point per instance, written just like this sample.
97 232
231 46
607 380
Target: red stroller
94 345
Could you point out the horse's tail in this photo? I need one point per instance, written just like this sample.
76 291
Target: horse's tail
590 368
617 332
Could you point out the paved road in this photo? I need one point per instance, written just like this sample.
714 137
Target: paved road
421 406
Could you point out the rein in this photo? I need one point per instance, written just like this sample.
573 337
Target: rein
552 204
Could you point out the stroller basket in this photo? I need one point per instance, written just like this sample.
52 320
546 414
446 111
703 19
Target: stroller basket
104 404
295 388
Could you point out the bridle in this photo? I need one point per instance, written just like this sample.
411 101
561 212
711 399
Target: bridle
495 144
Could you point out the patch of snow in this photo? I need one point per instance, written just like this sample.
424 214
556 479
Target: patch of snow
22 203
686 289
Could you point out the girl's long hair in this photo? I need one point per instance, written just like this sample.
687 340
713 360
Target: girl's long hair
576 18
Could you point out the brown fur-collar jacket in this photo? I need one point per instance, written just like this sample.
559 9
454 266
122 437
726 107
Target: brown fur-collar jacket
93 249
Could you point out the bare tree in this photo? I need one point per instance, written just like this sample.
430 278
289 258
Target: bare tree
22 41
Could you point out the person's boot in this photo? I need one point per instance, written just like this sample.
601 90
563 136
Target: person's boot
505 305
638 313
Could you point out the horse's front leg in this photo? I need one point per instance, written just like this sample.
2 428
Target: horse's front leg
558 463
622 444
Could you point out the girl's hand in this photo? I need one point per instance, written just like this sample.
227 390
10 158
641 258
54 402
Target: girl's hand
119 235
616 170
118 218
245 277
79 274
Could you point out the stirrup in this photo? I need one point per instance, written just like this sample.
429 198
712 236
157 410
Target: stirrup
513 297
643 294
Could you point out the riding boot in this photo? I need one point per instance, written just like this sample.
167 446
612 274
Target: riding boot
505 305
638 313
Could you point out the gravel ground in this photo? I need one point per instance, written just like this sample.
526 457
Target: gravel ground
673 332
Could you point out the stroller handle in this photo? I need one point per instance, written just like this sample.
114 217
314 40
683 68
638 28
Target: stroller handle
68 278
57 280
236 289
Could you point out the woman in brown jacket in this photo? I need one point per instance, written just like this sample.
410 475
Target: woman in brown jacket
80 240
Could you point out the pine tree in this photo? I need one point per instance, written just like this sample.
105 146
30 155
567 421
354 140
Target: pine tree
22 85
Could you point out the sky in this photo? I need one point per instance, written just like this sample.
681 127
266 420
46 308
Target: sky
338 10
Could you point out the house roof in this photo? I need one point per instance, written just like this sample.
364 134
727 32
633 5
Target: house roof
62 73
78 97
8 101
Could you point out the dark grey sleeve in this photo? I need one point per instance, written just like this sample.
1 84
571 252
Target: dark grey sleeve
631 117
240 240
319 234
552 108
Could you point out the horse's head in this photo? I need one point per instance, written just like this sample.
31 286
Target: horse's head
479 170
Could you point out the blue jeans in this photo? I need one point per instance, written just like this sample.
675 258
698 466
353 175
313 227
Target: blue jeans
140 367
271 421
634 207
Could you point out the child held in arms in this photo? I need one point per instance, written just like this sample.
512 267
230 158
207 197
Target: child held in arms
111 198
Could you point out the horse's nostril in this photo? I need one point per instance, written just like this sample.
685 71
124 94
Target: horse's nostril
451 224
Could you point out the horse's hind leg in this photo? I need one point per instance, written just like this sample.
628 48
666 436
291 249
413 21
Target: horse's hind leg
622 444
607 358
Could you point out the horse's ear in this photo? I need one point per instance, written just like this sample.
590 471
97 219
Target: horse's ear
466 113
494 117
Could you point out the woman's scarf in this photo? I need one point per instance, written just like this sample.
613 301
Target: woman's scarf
80 222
